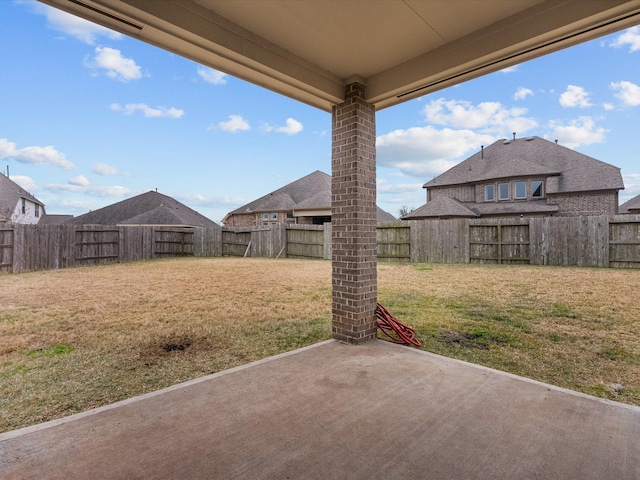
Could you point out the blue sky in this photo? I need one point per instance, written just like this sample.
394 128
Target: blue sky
90 117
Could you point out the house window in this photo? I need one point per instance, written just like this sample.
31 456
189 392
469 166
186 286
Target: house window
521 190
274 216
536 189
503 191
488 193
24 206
265 216
37 210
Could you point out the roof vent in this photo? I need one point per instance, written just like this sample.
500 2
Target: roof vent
528 139
506 142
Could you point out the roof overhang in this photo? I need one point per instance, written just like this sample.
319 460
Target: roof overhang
312 212
399 49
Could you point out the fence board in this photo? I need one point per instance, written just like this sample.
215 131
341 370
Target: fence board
6 250
440 241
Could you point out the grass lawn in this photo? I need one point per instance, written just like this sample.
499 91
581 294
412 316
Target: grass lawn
75 339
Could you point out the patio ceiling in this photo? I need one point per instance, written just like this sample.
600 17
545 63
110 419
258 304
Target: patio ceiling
399 49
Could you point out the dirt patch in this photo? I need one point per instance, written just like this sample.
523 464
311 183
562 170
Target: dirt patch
479 340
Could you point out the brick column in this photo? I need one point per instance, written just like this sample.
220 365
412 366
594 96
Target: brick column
353 218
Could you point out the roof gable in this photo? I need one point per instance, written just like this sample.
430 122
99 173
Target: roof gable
151 208
11 193
568 170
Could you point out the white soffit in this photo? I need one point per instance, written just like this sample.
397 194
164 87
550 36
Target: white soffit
400 49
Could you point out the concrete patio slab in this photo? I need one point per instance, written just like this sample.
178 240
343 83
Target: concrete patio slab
337 411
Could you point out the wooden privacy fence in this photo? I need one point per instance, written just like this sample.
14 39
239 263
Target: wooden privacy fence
49 247
586 241
597 241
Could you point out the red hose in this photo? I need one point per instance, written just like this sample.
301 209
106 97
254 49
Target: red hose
389 324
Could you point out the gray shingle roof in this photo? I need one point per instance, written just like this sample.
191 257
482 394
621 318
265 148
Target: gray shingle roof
151 208
54 219
568 170
633 204
441 207
312 192
10 195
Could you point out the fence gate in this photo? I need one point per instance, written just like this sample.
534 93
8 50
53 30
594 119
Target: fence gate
173 242
624 244
499 243
236 243
6 250
97 245
394 242
305 243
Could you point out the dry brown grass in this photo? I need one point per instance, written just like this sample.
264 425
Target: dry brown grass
134 328
76 339
574 327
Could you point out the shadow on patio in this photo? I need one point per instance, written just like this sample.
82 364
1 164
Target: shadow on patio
337 411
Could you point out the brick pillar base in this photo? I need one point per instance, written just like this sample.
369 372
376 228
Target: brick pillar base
354 218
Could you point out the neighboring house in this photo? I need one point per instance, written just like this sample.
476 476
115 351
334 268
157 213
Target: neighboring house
17 205
631 207
523 177
151 208
306 201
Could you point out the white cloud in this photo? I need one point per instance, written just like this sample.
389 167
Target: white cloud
426 151
80 180
384 188
291 127
212 76
522 93
488 117
105 170
198 200
34 155
608 106
575 96
83 30
95 191
628 92
629 37
25 182
114 64
510 69
147 111
235 124
582 131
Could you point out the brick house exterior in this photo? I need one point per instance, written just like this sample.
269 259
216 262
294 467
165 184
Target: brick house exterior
306 201
523 177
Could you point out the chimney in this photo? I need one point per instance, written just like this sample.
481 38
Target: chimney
482 152
514 135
